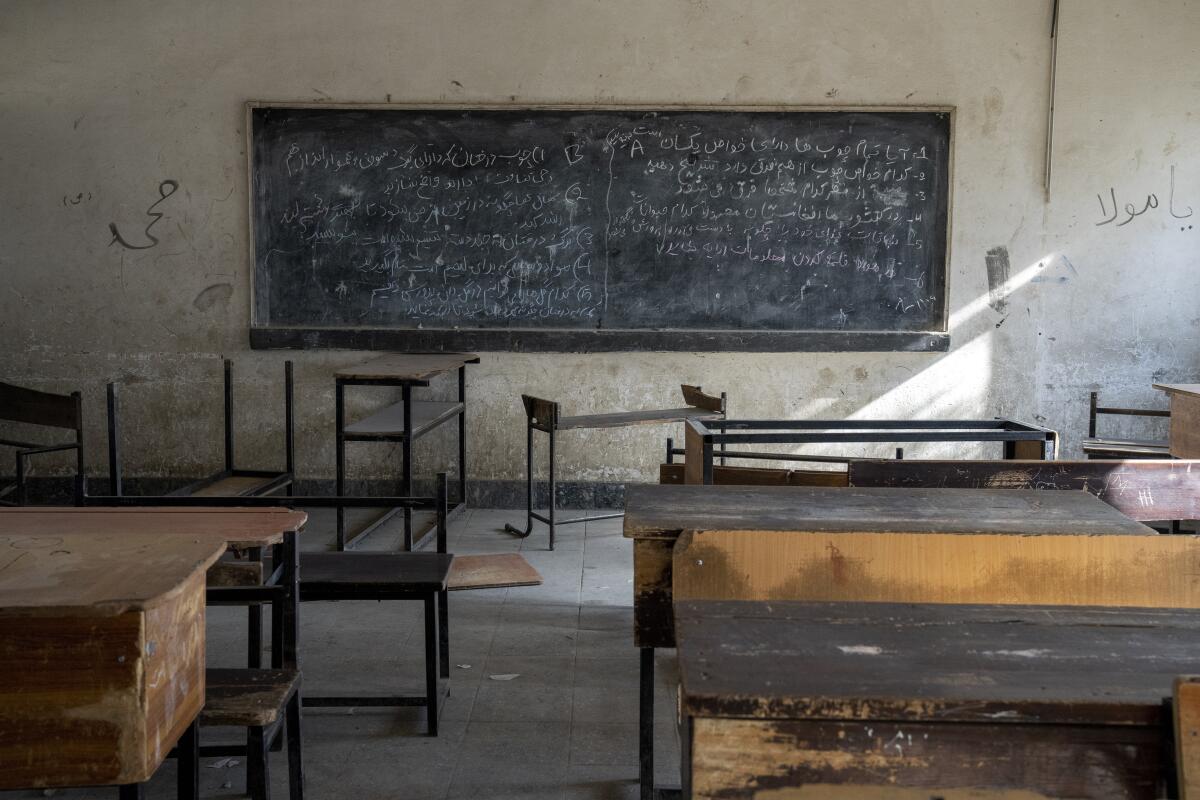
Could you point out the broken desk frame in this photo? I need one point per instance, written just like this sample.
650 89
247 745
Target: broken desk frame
31 407
543 415
403 422
705 440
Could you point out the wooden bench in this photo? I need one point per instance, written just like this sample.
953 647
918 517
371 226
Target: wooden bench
886 701
1148 491
259 700
1095 446
543 415
230 481
44 409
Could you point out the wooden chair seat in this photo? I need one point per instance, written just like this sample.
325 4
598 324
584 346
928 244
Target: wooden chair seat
493 571
1125 448
236 486
247 698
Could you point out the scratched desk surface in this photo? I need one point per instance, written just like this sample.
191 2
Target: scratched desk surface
882 701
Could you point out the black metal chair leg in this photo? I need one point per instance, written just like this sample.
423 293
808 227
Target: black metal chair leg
513 529
132 791
431 664
187 762
553 489
444 631
646 724
295 750
258 764
340 446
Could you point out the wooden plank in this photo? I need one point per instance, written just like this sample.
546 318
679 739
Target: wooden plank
103 671
491 571
233 486
971 663
804 760
1140 489
1076 568
757 476
246 697
693 396
238 528
854 700
418 367
653 620
1184 433
656 511
19 404
1186 712
693 457
1192 389
621 419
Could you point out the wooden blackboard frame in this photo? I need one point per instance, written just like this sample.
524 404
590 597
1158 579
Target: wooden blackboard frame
574 340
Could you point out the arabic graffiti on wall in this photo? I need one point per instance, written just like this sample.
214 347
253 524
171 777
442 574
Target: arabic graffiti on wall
1124 214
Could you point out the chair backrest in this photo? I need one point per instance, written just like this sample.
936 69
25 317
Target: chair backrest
19 404
1095 410
698 399
1141 489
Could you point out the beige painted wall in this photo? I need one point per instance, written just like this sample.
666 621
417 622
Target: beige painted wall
99 102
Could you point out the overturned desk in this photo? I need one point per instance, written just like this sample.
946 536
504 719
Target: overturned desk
403 422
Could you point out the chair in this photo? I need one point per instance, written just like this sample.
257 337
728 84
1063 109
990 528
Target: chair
260 700
543 415
31 407
229 481
1107 448
420 576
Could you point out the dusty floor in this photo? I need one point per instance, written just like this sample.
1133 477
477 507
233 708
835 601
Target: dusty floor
565 727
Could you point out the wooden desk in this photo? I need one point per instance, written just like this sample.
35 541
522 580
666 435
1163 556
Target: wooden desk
102 653
246 529
868 701
401 422
1184 436
959 545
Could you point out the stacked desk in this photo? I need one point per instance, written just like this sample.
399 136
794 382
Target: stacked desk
955 546
403 422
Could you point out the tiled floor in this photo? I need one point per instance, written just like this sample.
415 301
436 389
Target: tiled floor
564 727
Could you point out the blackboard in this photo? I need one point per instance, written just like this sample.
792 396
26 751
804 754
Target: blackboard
595 229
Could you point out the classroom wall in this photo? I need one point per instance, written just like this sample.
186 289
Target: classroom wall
101 102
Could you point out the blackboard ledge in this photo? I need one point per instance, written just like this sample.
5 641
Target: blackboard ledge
517 340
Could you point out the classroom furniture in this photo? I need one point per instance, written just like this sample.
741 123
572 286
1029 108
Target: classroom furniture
259 700
102 652
403 422
705 440
242 701
890 700
821 543
473 249
1095 446
543 415
31 407
1141 489
412 576
229 481
1184 434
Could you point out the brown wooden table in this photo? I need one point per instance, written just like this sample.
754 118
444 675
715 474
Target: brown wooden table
402 422
869 701
1184 435
957 545
102 652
